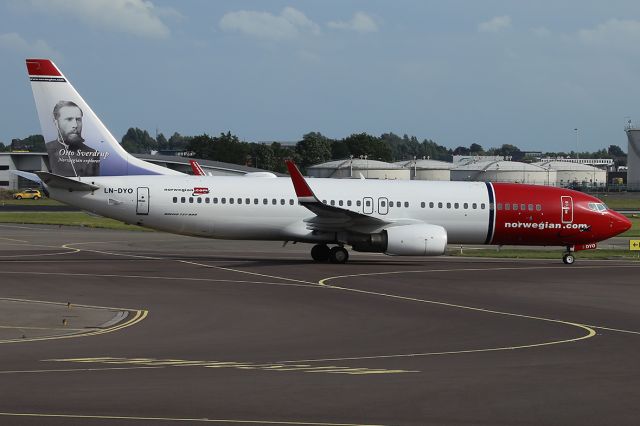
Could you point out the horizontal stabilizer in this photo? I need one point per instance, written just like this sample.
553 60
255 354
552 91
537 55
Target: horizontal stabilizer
27 175
61 182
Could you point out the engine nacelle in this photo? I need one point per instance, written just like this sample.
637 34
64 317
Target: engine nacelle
419 239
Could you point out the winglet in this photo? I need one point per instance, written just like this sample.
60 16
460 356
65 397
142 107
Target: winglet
303 191
197 168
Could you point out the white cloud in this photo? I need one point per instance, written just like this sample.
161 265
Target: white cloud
542 32
289 24
13 41
614 33
361 23
495 24
137 17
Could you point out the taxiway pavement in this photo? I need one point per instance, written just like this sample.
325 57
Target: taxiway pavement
255 333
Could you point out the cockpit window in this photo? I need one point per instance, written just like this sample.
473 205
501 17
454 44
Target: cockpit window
597 207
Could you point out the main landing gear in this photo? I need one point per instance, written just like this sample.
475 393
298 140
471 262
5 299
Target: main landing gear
322 253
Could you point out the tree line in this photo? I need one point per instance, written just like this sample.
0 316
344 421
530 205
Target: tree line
313 148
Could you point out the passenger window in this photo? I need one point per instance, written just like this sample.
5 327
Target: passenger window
247 201
191 199
333 202
239 200
290 201
358 203
206 200
456 205
482 206
538 207
406 204
265 201
223 200
499 206
448 205
340 202
383 203
199 200
215 200
255 201
431 204
474 206
175 199
515 207
466 206
423 204
324 201
182 199
368 202
507 206
349 203
231 200
274 201
530 207
282 201
390 203
439 205
523 207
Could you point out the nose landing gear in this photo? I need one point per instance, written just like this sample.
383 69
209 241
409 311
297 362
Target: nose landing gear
568 259
322 253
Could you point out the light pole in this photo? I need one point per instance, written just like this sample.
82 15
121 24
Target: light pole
577 155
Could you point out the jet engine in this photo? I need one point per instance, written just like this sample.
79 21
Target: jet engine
420 239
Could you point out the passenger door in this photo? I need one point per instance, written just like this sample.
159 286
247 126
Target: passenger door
142 206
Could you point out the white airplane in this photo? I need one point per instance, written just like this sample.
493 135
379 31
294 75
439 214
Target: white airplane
90 170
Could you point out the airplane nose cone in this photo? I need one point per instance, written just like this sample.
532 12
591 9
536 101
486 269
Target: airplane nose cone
620 223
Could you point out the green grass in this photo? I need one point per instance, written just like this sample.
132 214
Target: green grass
635 227
40 202
545 254
617 202
67 219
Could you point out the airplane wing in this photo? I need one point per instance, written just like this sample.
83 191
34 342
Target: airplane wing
328 218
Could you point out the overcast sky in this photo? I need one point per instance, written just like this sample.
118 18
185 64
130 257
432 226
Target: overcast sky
490 72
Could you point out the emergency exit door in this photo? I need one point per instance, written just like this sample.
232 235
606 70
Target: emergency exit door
142 206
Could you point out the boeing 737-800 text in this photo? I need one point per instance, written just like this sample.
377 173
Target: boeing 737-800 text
90 170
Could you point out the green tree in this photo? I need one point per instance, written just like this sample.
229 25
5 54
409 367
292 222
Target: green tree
365 144
314 148
475 148
615 151
138 141
32 143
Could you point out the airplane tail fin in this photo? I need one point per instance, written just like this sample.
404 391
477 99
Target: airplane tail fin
77 142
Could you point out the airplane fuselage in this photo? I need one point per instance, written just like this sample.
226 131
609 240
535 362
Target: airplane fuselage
268 208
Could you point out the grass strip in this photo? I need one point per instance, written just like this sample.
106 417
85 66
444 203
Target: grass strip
67 219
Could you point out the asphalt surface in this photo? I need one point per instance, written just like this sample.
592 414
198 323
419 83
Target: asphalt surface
255 333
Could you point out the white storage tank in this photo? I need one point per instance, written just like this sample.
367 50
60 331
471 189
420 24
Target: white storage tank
357 167
568 173
504 171
425 169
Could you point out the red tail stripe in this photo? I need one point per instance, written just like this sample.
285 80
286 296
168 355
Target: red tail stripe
42 67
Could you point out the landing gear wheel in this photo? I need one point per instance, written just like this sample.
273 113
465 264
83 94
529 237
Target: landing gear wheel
568 259
338 255
320 253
